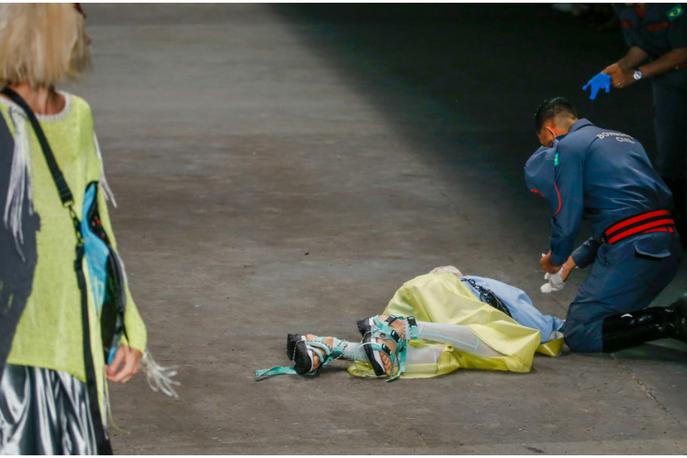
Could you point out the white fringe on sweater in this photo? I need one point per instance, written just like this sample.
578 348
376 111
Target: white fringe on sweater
159 378
19 188
109 195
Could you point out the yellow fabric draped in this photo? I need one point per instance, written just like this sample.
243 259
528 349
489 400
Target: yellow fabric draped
442 298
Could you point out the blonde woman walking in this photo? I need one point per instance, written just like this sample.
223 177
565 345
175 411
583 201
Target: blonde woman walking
73 323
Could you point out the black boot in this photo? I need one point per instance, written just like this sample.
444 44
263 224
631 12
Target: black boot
631 329
677 318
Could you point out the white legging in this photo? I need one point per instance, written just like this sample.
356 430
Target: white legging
457 335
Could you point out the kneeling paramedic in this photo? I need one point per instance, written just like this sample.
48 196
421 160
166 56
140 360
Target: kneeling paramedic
634 252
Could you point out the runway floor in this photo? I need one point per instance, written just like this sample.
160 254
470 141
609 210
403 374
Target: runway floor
285 168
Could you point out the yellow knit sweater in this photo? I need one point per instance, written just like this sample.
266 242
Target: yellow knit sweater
49 333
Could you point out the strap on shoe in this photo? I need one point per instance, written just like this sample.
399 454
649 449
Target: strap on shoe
324 352
262 374
397 358
383 329
411 328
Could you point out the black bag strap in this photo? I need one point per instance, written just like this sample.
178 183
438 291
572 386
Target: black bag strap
65 193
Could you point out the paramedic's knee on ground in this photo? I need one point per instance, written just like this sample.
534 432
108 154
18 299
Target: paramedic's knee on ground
582 334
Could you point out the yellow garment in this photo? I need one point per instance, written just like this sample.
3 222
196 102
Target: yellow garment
442 298
49 333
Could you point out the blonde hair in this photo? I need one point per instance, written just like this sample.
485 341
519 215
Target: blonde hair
42 44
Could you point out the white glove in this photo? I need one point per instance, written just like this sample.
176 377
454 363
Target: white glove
554 283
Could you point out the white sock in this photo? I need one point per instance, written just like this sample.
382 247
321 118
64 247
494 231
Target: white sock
460 336
355 352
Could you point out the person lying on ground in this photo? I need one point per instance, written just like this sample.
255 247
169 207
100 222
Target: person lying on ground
435 324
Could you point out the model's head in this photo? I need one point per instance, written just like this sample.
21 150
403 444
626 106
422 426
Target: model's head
553 118
42 44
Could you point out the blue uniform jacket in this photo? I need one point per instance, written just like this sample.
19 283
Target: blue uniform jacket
601 175
657 28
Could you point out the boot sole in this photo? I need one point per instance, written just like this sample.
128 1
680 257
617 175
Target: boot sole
301 358
376 364
291 341
364 326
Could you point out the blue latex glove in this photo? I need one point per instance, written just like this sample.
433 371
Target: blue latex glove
598 82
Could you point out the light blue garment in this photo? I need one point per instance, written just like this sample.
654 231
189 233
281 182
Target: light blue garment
96 251
519 305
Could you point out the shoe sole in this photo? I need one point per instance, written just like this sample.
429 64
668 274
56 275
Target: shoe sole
364 326
373 357
291 341
301 358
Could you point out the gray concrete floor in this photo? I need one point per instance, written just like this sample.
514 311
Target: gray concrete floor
285 169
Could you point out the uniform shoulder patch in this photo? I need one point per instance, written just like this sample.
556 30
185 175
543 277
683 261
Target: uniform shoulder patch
675 12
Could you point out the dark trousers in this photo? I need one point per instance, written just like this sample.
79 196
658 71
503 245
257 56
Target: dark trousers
670 125
624 278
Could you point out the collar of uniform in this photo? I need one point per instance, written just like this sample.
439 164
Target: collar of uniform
577 125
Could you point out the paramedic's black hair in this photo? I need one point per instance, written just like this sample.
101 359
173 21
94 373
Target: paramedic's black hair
551 108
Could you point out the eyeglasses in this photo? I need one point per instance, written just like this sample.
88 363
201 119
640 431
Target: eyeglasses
77 7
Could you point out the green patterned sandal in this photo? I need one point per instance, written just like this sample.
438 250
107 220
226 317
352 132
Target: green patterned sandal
376 329
302 351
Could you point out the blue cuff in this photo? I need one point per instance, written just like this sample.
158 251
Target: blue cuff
558 260
580 259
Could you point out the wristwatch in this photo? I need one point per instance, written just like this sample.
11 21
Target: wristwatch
638 75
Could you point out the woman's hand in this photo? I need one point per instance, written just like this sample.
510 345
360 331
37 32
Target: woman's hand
125 364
